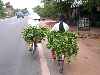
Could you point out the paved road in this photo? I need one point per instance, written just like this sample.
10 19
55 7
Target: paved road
13 60
14 56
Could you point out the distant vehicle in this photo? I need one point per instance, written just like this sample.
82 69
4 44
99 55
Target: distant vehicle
19 14
25 12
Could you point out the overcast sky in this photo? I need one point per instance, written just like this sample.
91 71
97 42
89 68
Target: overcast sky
23 3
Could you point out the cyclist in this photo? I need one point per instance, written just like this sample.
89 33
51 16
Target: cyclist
33 20
61 25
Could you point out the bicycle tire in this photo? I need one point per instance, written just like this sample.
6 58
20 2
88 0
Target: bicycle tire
30 49
33 51
61 64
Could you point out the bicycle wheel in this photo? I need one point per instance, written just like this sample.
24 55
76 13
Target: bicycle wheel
61 64
30 49
34 48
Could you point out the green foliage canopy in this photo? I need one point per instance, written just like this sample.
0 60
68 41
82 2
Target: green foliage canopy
49 10
52 8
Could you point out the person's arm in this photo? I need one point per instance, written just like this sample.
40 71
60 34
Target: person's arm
55 27
66 27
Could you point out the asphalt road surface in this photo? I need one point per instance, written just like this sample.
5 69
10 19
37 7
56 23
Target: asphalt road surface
14 59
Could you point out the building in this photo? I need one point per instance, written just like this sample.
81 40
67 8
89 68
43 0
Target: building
9 10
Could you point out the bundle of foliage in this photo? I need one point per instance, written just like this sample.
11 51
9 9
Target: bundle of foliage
63 43
31 33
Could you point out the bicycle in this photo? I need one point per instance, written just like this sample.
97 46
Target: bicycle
60 61
32 47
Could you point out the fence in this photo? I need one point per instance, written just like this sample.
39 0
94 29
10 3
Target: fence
83 24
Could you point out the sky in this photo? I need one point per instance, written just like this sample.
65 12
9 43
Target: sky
23 3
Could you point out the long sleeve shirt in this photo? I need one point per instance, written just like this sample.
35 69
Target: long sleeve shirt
56 27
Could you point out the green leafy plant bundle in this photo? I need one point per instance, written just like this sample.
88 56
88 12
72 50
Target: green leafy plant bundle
63 43
31 33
